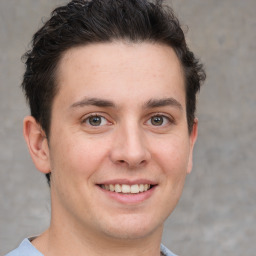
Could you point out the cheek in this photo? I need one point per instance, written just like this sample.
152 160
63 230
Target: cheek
81 156
172 155
73 164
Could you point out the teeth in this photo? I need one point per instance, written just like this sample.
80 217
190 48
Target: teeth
141 187
135 189
118 188
126 189
111 187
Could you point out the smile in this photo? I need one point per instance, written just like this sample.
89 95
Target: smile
127 189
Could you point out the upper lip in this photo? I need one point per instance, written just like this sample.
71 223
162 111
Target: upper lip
128 182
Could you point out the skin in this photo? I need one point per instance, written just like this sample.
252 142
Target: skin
126 86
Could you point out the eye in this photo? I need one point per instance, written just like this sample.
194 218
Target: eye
95 120
158 120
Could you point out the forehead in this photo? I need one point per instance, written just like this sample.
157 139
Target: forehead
120 70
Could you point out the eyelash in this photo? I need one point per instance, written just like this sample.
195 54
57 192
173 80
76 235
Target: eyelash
168 119
165 118
87 119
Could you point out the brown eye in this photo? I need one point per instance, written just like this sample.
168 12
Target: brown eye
96 120
157 120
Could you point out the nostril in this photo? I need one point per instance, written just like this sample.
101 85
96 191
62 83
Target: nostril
122 162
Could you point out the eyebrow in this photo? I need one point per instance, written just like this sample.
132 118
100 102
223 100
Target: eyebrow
94 102
152 103
155 103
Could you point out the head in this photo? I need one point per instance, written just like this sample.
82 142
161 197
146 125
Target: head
82 23
112 88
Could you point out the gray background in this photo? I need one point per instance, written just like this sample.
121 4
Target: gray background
216 215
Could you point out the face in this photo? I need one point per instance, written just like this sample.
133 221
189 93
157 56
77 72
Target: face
119 149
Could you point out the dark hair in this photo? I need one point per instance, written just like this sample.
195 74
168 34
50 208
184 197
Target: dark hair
82 22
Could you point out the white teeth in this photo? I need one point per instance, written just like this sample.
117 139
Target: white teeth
141 187
118 188
135 189
111 187
126 189
146 187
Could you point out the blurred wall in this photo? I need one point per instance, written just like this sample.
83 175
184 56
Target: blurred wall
217 213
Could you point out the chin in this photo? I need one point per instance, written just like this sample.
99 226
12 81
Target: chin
128 234
133 229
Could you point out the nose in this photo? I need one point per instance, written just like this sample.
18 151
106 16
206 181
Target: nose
130 148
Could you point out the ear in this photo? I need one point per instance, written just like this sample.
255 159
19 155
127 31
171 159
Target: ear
192 140
37 144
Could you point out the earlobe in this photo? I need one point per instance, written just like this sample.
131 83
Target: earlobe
193 137
37 144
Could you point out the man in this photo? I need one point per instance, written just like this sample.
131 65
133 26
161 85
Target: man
112 91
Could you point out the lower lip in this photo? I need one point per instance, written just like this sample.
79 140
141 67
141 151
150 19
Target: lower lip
129 198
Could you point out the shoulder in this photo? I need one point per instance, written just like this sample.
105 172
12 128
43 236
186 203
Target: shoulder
25 249
166 252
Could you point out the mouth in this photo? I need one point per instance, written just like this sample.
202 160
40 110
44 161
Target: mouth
127 189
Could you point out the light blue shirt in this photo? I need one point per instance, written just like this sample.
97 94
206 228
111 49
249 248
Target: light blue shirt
27 249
